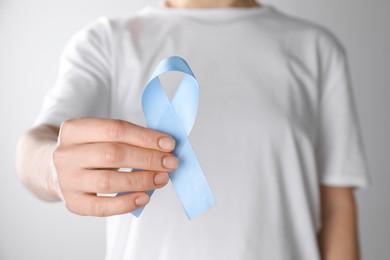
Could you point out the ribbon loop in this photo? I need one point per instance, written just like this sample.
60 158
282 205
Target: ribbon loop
177 119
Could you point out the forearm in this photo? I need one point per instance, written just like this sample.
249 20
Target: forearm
338 238
33 162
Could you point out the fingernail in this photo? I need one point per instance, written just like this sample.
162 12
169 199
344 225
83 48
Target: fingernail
161 178
142 200
166 143
170 162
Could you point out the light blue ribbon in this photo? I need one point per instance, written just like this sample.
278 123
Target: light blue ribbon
177 118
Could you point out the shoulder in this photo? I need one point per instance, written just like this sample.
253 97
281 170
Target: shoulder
117 29
305 32
95 34
105 27
103 33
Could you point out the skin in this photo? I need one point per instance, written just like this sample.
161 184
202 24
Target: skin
211 4
338 238
80 159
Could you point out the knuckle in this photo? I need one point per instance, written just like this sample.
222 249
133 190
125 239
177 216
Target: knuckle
149 159
103 183
63 181
134 182
66 129
71 205
113 154
121 206
116 129
146 138
99 208
68 123
64 174
59 155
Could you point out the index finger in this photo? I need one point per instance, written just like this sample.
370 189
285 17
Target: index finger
95 130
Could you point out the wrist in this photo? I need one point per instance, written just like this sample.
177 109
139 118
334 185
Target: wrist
53 188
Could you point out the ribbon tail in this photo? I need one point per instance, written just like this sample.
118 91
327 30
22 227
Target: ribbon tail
190 184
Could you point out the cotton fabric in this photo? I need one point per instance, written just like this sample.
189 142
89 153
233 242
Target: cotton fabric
276 119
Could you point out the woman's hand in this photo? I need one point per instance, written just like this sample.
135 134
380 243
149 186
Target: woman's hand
85 160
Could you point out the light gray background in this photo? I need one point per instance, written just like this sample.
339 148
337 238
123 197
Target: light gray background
32 35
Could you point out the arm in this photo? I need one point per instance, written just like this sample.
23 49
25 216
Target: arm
81 159
33 161
338 238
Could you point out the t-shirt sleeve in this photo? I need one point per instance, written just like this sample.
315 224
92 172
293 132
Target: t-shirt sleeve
340 149
83 84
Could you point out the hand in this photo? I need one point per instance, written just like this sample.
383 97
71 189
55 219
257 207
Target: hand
89 151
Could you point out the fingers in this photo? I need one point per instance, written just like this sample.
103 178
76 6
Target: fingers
90 150
106 181
115 155
89 205
94 130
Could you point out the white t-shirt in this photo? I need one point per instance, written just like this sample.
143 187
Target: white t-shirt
276 119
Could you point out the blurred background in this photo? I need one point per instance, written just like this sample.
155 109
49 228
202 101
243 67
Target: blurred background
32 36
